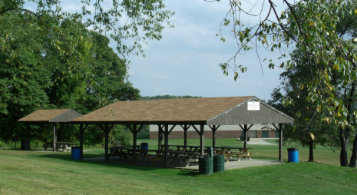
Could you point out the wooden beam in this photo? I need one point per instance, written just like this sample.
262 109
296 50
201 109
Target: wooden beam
280 142
134 142
128 125
110 128
172 128
159 137
185 128
166 163
245 135
277 128
139 129
81 130
106 132
100 126
28 137
196 130
54 137
214 136
202 139
214 129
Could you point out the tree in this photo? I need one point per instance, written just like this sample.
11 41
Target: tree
317 131
22 79
312 27
40 78
142 20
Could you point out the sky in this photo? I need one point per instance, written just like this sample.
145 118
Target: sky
186 60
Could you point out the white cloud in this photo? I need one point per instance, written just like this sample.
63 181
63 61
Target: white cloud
185 61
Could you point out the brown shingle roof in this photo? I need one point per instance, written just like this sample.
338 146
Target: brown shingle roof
56 115
166 110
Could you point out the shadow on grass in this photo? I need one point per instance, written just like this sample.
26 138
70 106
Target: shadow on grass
122 164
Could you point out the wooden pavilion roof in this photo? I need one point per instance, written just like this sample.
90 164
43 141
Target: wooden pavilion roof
174 111
161 111
50 116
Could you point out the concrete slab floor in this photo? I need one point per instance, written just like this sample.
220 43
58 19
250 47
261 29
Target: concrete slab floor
233 163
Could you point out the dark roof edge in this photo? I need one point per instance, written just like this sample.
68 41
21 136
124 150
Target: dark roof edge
141 122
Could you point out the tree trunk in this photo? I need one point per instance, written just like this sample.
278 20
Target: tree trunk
344 146
311 152
354 154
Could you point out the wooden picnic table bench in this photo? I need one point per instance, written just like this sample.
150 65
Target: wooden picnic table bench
187 156
121 151
226 151
65 146
48 145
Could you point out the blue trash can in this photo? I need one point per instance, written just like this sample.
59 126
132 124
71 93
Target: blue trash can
76 153
293 155
144 146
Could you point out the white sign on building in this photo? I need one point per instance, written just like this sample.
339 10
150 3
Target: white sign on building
253 105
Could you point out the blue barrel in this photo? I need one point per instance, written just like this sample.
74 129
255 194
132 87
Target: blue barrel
24 145
76 153
144 146
293 155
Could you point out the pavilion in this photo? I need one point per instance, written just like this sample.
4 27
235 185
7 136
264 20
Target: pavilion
54 117
196 112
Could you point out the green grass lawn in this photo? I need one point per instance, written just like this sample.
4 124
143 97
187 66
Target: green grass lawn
35 172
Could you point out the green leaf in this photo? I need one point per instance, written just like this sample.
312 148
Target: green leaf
298 114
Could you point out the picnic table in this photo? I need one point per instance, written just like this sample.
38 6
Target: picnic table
126 151
65 146
226 151
184 148
184 155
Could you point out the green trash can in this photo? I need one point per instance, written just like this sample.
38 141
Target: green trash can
205 165
218 163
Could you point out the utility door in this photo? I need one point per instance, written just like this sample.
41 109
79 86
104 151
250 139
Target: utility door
265 134
277 134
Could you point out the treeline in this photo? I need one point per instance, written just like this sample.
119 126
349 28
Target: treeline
38 73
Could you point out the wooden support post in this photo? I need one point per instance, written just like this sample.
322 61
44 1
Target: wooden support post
54 137
214 136
135 132
106 134
202 139
166 162
245 130
185 129
214 129
28 137
81 130
280 142
185 136
159 137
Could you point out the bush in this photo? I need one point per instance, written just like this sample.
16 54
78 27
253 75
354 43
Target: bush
242 138
122 134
